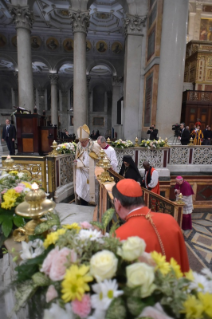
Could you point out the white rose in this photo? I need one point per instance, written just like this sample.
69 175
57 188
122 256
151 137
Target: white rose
132 248
140 274
103 265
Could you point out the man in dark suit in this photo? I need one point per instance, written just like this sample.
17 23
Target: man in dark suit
184 135
9 135
153 133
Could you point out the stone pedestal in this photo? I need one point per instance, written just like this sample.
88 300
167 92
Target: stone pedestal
54 112
22 17
172 61
80 22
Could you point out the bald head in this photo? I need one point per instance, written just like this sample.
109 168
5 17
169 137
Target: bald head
146 165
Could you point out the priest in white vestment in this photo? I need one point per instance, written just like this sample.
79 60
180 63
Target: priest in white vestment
110 152
87 153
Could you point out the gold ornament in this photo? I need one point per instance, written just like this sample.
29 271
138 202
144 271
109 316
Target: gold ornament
191 142
136 142
180 197
105 176
54 146
166 142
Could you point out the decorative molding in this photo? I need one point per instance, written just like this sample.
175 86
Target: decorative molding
22 16
134 25
155 61
53 78
80 21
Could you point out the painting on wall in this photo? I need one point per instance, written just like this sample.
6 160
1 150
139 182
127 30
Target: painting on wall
117 47
88 46
101 46
35 42
68 45
14 41
205 30
52 43
3 40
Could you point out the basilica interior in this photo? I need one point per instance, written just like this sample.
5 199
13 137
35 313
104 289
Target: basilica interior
123 69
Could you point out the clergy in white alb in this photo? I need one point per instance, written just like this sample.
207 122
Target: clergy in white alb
110 152
87 154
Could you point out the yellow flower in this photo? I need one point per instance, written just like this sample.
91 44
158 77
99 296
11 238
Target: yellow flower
193 308
73 226
13 172
53 237
75 282
206 302
9 199
28 185
161 263
189 275
176 268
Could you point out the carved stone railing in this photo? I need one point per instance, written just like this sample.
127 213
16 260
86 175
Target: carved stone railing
160 204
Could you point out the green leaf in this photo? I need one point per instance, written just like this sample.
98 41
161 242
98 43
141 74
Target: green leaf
116 310
23 293
97 224
135 305
113 229
18 221
40 279
41 228
107 217
7 226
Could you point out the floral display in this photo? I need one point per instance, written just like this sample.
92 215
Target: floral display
96 276
66 148
122 144
13 188
152 144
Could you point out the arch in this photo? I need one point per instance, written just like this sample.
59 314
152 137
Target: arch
95 82
58 65
10 59
38 58
122 2
103 62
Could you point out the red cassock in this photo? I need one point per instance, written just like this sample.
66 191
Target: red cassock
168 229
156 189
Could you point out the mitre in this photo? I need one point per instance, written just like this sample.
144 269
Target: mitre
83 132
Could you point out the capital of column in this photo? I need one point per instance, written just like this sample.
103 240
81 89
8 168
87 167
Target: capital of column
79 21
22 16
134 24
53 78
117 80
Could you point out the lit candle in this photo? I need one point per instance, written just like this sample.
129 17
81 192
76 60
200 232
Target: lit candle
8 157
35 186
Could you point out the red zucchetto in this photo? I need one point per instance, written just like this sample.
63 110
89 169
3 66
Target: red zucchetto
129 187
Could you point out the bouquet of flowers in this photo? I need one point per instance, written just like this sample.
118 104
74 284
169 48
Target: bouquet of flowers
66 148
13 188
122 144
83 273
152 144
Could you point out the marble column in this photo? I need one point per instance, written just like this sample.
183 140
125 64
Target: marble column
54 113
23 19
116 95
60 101
132 71
88 78
13 97
45 100
80 23
172 63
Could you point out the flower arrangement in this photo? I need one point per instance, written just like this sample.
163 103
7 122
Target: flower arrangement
122 144
66 148
13 187
85 274
152 144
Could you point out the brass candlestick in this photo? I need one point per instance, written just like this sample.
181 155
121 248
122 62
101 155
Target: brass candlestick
136 142
166 142
105 176
108 140
34 206
101 157
54 146
179 200
191 142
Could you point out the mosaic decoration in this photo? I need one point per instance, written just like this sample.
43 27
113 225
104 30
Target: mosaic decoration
35 42
88 46
68 45
101 46
179 155
154 157
52 43
202 156
117 47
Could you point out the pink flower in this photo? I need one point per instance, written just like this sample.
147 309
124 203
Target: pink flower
58 268
47 263
146 258
85 225
19 189
4 191
82 308
51 293
155 312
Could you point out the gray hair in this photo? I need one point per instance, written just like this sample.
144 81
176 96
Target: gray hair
102 139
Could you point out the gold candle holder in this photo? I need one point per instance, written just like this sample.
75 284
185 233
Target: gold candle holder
166 142
105 176
34 206
101 157
9 163
191 142
108 140
179 200
136 142
54 151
